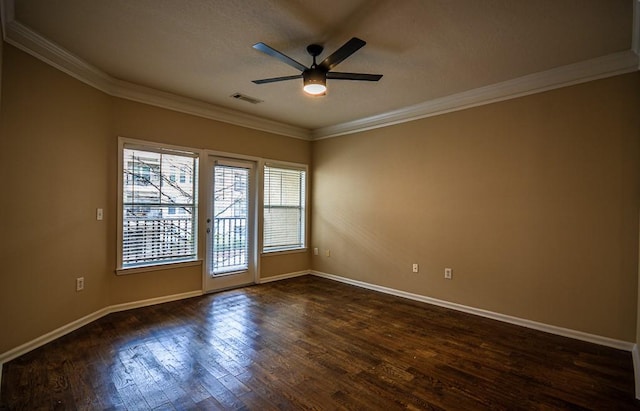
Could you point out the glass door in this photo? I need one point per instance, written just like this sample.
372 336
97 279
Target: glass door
230 224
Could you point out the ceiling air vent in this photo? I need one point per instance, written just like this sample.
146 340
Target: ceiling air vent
252 100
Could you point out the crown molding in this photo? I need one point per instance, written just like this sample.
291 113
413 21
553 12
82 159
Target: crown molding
50 53
601 67
146 95
43 49
581 72
7 13
635 36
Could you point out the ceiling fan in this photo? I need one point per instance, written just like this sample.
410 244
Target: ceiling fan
315 77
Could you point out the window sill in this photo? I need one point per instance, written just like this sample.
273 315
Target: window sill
275 253
159 267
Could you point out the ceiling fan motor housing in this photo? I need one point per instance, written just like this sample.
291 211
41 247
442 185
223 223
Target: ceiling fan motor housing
314 76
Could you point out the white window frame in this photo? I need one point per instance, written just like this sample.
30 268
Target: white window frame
128 143
305 227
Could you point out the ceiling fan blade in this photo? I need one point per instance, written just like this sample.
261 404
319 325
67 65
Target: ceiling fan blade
353 76
275 53
275 79
342 53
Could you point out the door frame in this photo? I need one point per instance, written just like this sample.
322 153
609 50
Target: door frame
206 187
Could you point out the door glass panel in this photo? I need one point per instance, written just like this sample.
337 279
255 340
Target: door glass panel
229 242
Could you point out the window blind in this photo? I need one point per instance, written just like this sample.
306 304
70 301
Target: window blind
284 208
158 207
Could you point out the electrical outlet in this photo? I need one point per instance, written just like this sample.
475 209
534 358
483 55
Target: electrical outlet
415 268
448 273
79 283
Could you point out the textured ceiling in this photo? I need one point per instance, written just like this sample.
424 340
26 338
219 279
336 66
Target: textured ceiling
425 49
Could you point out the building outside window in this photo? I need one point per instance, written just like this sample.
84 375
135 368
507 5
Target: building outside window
159 212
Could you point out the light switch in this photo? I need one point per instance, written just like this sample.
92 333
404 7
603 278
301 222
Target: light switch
99 214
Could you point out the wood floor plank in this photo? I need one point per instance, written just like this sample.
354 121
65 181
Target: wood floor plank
314 344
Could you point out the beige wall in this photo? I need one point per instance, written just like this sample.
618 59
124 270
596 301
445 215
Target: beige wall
55 144
533 202
58 159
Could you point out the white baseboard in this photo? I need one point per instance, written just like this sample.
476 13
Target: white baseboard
50 336
636 368
74 325
153 301
283 276
565 332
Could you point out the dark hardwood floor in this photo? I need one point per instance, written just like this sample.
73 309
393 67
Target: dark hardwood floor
312 343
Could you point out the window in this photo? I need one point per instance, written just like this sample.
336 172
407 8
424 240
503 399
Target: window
284 208
159 212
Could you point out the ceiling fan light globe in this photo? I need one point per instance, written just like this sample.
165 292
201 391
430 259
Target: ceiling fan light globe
315 89
315 82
